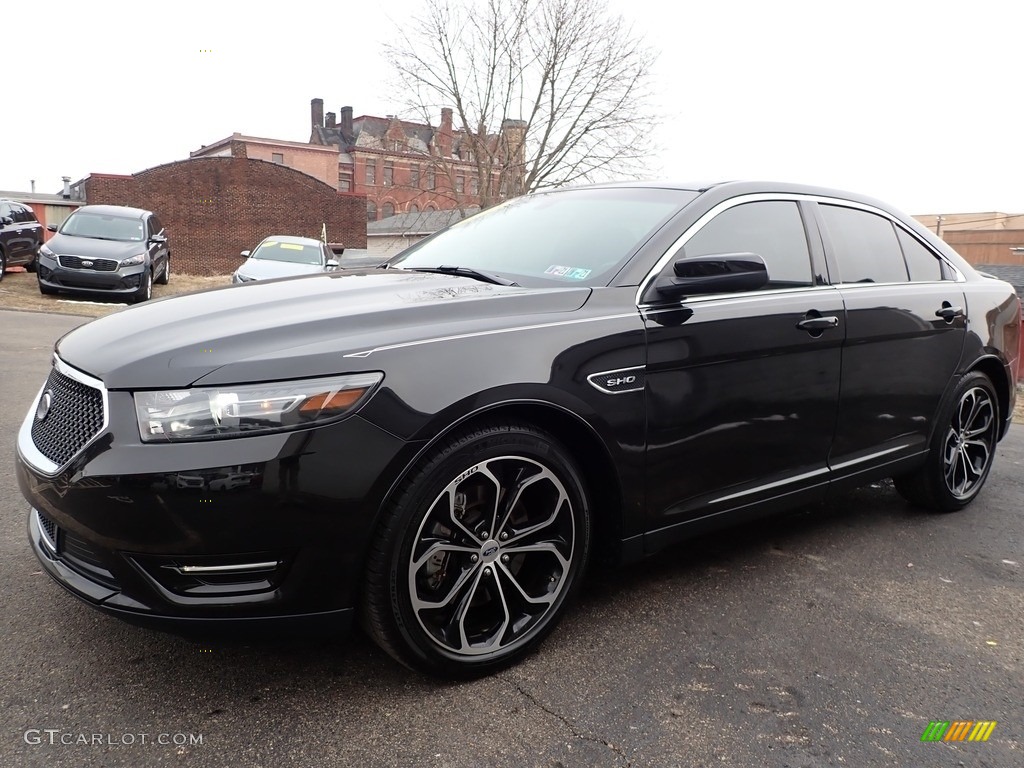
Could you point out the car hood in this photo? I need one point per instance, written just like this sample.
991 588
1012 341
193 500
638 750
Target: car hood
294 327
264 269
91 248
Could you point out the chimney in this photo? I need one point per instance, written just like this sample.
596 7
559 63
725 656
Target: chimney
444 136
32 182
331 120
346 123
67 187
316 110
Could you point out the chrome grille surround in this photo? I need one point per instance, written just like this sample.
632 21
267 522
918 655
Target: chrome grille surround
27 447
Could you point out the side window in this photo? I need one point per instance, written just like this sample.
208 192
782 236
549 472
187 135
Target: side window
774 230
865 246
155 227
923 264
20 213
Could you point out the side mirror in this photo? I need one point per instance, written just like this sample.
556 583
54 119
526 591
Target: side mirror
51 227
332 264
158 239
719 273
245 254
5 220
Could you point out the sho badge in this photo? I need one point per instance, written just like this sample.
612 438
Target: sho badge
43 409
619 381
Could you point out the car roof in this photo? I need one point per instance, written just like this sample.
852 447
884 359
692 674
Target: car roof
292 239
116 210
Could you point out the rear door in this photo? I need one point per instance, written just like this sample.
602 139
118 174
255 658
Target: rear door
906 320
742 391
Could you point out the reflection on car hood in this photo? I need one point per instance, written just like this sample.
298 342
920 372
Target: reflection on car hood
264 269
90 248
294 327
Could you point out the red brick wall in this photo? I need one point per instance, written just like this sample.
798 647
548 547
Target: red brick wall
215 207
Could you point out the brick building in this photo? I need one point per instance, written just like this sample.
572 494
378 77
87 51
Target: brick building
215 207
407 167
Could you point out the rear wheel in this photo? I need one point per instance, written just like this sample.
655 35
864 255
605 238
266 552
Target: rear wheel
31 266
478 552
962 449
3 264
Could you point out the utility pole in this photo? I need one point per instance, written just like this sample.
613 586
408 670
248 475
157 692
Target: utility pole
938 225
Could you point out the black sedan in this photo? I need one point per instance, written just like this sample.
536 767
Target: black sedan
438 446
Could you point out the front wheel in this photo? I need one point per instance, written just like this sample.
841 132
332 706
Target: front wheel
145 292
478 553
962 449
165 275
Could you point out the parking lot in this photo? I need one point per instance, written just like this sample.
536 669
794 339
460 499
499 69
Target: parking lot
829 637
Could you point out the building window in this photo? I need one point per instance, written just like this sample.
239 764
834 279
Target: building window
460 184
413 208
371 211
414 176
371 172
387 210
345 181
474 185
278 158
431 180
389 174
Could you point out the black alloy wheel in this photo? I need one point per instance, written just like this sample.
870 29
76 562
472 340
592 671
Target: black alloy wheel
477 555
963 445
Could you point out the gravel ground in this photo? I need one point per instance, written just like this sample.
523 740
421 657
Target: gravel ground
19 291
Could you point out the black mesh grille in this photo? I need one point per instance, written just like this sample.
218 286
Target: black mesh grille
74 418
97 265
49 528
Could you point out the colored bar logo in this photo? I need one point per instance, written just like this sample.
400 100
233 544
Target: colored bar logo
958 730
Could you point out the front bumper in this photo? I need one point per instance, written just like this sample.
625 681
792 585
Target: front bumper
125 280
267 530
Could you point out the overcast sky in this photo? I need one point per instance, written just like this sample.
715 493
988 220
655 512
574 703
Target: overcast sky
917 103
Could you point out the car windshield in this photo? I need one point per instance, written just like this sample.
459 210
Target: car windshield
103 226
294 253
580 236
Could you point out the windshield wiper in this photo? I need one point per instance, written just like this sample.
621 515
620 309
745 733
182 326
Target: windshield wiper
445 269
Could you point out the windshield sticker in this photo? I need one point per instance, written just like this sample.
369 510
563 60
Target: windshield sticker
573 273
293 246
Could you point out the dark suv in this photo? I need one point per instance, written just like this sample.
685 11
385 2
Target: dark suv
106 249
20 236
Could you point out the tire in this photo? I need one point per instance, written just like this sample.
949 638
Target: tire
3 265
145 292
165 276
962 449
458 582
31 266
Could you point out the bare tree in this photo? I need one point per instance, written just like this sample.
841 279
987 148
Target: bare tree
544 92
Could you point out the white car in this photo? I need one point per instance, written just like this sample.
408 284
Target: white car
285 256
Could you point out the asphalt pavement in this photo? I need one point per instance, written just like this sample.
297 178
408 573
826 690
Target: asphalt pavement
829 637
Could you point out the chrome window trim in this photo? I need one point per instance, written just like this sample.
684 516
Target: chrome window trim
27 448
760 197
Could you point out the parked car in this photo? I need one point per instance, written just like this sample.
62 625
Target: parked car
285 256
21 235
438 446
106 249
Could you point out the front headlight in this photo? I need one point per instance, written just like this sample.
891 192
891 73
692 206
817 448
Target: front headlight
45 251
131 261
240 278
248 409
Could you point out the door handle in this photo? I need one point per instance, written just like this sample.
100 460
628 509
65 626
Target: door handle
818 323
948 313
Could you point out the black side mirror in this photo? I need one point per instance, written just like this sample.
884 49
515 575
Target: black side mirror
5 220
51 227
719 273
158 239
